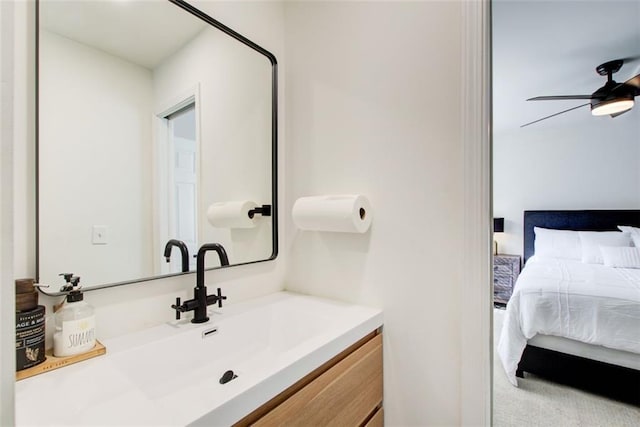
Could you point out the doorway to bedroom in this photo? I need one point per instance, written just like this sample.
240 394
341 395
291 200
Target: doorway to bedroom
573 161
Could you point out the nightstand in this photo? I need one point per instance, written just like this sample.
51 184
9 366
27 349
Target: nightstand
505 272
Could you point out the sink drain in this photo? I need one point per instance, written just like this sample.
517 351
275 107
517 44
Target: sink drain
228 376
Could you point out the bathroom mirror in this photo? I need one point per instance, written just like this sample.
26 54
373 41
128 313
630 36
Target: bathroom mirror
149 112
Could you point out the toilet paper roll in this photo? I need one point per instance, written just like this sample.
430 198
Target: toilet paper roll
344 213
234 214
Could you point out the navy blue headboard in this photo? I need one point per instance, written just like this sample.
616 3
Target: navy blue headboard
598 220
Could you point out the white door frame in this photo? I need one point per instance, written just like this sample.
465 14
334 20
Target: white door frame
475 306
7 143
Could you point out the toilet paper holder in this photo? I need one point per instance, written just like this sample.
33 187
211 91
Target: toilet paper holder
264 210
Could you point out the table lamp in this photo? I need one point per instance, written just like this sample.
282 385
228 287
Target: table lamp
498 227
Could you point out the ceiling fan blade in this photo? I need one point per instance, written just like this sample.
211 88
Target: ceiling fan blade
556 114
634 81
630 87
621 112
559 97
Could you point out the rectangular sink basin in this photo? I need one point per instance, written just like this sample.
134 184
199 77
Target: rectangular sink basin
170 374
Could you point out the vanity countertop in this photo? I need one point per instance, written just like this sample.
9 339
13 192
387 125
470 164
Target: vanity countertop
169 374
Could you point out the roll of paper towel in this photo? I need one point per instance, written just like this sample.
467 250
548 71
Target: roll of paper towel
345 213
232 214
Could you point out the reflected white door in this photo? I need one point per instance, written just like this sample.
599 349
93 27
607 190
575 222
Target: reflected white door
182 126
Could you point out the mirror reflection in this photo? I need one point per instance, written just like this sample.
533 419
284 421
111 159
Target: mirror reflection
150 119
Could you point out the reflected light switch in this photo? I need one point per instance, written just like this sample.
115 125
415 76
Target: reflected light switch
99 235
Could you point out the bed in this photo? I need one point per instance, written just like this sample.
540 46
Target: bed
576 323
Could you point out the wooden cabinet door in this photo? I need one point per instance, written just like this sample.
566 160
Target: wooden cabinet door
346 395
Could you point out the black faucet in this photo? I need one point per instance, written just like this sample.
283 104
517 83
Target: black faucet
200 299
183 250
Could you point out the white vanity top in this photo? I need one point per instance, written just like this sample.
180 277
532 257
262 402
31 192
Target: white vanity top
169 374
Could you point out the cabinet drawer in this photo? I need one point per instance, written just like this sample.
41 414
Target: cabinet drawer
503 269
503 276
503 282
344 395
377 420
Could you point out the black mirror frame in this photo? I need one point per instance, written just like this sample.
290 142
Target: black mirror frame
274 147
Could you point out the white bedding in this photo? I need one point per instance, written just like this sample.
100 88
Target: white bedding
584 302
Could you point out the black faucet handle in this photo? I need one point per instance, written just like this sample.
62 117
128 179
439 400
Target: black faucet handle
67 276
178 308
220 297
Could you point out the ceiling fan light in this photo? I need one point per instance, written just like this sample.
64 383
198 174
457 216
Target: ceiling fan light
612 106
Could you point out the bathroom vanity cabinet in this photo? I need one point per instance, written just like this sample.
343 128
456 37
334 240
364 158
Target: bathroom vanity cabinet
346 390
295 360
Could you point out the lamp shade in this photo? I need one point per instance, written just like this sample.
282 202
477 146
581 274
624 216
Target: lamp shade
498 225
613 106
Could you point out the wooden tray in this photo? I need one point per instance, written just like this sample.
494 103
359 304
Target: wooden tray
51 362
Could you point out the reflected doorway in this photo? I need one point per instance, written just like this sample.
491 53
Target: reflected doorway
183 201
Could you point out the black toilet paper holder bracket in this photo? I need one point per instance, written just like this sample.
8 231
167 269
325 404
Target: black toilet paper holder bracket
264 210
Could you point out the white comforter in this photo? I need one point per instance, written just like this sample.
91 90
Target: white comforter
584 302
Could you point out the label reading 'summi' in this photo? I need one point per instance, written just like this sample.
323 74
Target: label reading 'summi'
78 336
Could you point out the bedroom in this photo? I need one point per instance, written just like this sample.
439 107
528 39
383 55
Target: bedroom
573 161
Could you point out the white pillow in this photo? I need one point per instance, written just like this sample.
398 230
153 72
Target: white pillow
557 243
621 257
592 240
634 231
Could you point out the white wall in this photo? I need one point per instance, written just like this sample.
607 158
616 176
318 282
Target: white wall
234 132
134 307
97 171
373 107
595 165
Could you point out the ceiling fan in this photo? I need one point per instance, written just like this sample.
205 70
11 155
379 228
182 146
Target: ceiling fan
611 99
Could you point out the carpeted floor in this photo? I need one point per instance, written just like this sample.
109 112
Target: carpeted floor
537 402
